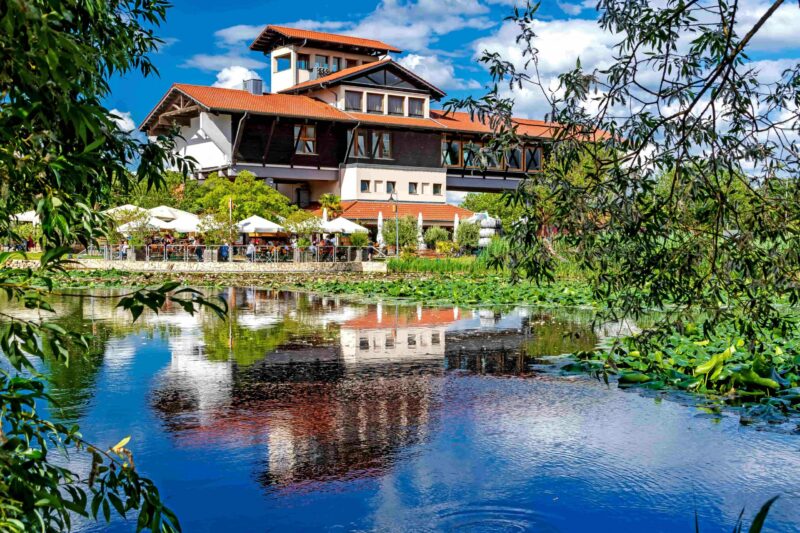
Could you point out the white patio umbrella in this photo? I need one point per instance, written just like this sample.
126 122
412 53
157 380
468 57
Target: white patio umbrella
28 216
167 213
342 225
257 224
420 238
379 237
455 227
126 208
187 223
152 224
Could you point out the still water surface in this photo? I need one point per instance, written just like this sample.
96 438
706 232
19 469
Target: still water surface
305 413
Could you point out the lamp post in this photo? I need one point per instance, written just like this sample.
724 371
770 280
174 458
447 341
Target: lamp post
393 197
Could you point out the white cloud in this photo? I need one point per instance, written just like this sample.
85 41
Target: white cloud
216 62
780 30
560 44
455 197
232 77
236 35
439 72
570 9
123 119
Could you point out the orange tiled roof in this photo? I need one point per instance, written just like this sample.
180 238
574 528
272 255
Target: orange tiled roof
427 317
301 106
347 40
368 210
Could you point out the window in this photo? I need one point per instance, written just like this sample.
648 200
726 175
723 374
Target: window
396 105
305 139
336 64
303 62
470 154
389 342
412 188
437 189
391 186
533 158
416 107
321 62
361 144
435 338
374 103
451 152
494 160
378 186
412 340
364 185
382 144
514 159
363 343
353 101
349 63
283 62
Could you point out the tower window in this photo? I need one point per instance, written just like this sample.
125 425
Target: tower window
396 105
353 100
416 107
375 103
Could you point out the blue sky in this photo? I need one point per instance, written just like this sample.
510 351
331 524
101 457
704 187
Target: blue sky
207 41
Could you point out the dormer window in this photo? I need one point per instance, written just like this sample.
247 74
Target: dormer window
303 62
396 105
416 107
374 103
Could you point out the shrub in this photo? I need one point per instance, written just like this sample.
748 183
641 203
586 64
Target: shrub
435 234
467 235
408 232
359 239
445 247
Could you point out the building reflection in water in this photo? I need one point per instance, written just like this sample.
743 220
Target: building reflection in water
343 392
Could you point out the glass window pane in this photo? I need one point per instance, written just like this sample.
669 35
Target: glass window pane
386 145
364 185
437 189
361 145
375 103
390 186
533 158
303 61
396 105
416 107
352 100
321 62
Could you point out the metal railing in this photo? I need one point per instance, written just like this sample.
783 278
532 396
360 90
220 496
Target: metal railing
188 253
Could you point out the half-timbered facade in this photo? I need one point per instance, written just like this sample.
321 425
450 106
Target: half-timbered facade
344 118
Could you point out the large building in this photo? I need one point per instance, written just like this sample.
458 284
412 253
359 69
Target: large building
342 117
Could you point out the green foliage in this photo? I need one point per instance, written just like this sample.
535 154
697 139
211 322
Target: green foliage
218 229
467 235
445 247
177 191
302 223
359 239
332 203
457 289
412 263
250 196
62 154
498 205
435 234
408 232
687 202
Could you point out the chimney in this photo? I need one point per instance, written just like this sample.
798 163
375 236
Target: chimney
254 86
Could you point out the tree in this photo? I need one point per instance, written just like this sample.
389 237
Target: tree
178 192
680 114
435 234
218 229
467 235
250 196
408 232
62 153
497 205
332 203
303 223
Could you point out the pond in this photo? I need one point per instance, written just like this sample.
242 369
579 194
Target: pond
306 413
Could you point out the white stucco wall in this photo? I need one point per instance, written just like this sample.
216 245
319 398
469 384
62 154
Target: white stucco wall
287 78
210 150
352 175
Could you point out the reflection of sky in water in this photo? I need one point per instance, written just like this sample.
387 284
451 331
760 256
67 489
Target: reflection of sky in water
306 414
